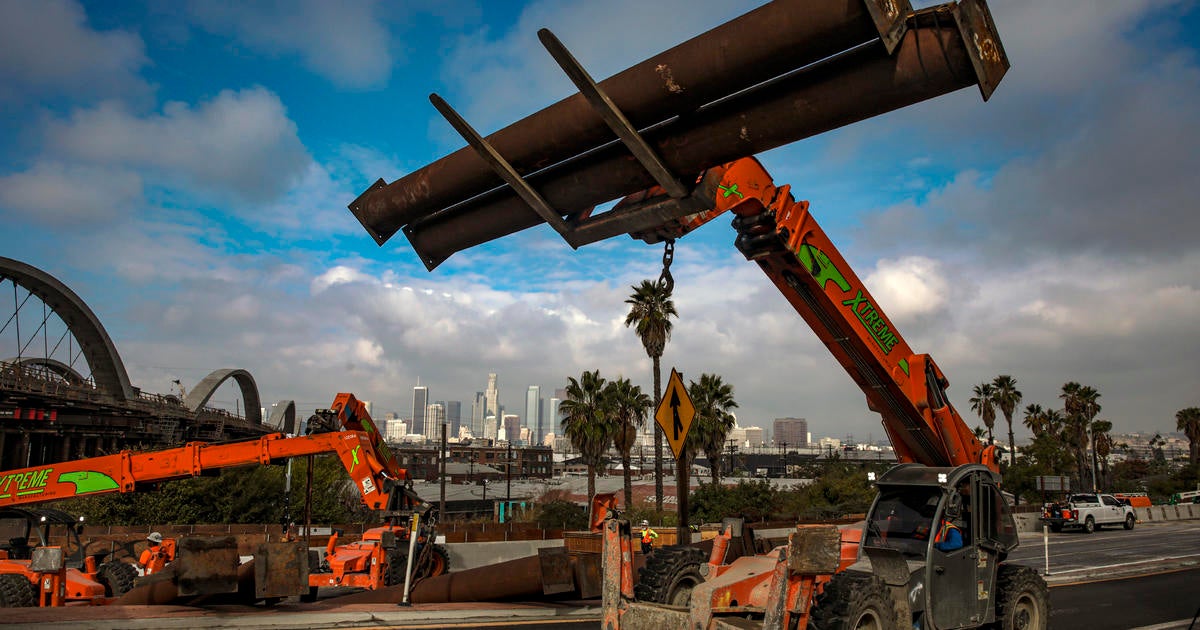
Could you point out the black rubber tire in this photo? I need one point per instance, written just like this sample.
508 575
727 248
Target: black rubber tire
669 575
853 601
439 562
1056 528
16 591
1089 525
397 564
1022 599
1130 521
117 577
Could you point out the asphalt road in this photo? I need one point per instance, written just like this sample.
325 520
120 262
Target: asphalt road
1079 556
1127 603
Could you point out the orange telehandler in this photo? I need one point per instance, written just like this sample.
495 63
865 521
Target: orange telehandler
346 429
781 73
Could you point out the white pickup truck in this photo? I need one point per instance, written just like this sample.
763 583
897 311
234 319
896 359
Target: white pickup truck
1088 511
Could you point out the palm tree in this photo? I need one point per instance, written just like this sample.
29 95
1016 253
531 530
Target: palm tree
629 406
1007 397
587 420
1080 406
1035 419
1102 444
650 312
1188 421
713 400
984 404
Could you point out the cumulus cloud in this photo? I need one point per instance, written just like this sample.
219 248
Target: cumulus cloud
240 142
64 195
48 48
348 43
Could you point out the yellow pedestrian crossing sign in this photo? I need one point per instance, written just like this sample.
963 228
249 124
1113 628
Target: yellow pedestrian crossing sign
675 413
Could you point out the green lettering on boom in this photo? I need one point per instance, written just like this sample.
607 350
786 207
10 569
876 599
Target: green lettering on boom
872 320
821 268
87 481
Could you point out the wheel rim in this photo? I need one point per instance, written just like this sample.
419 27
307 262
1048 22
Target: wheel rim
681 593
1026 615
868 620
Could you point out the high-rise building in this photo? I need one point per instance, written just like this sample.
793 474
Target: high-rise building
491 398
533 413
489 428
551 421
512 428
435 417
790 431
478 413
395 430
453 416
420 406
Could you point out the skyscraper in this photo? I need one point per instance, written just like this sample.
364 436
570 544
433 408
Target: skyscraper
491 398
790 431
435 417
533 413
478 413
512 428
420 406
551 420
453 416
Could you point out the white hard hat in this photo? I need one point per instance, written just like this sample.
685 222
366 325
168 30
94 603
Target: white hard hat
645 523
154 537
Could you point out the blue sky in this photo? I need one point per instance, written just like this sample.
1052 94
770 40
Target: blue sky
185 167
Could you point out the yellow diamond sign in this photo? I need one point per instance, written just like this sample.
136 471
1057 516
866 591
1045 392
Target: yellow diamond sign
675 413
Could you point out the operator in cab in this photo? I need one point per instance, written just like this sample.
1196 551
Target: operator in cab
949 536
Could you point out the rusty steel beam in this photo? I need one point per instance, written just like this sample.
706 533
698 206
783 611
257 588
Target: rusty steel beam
934 58
760 45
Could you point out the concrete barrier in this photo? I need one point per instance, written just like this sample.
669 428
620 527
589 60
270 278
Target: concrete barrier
478 554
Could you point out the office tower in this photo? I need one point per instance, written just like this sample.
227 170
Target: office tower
478 413
512 428
395 430
420 406
533 413
552 419
490 428
435 417
453 417
492 398
790 431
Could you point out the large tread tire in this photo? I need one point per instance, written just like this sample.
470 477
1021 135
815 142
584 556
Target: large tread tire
117 578
397 564
1130 521
1089 525
669 575
439 562
1022 599
16 591
853 601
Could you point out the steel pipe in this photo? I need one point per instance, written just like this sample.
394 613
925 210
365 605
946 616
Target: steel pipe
932 59
760 45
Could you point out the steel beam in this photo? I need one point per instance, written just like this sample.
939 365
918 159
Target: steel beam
772 40
933 58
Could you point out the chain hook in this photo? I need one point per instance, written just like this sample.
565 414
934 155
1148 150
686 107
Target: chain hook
665 279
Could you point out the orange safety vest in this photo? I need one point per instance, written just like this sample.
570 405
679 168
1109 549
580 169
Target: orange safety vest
647 535
153 559
944 530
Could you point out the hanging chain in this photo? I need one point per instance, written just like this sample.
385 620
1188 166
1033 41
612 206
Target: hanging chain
665 278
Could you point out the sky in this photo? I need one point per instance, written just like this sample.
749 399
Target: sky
185 167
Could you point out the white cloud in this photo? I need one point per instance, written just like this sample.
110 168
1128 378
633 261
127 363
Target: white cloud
239 143
47 47
70 195
909 287
346 42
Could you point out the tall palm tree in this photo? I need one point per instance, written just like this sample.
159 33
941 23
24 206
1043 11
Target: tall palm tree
629 406
984 404
1080 406
713 399
587 421
1035 419
1188 421
650 313
1101 448
1007 397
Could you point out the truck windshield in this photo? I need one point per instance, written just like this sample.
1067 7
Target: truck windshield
903 519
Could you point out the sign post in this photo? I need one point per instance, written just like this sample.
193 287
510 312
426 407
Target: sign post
675 414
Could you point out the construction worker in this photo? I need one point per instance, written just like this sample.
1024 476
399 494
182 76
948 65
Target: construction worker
648 536
948 537
154 557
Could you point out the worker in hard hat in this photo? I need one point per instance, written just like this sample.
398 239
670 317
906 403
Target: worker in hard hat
154 557
648 536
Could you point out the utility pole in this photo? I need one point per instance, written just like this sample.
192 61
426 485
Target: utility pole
508 481
442 457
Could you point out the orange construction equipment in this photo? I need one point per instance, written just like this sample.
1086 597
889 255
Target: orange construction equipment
890 575
346 429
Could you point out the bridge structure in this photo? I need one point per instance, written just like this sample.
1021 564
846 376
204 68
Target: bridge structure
65 394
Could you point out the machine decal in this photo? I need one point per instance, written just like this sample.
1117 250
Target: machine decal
24 484
368 486
873 321
354 456
821 268
87 481
731 190
824 271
